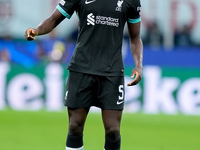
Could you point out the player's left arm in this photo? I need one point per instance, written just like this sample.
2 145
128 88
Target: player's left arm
136 47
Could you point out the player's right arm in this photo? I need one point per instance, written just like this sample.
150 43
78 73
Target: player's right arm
46 26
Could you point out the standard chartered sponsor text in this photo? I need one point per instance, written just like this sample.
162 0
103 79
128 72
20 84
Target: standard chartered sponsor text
107 21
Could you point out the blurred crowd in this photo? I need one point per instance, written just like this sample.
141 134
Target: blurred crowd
41 51
155 37
54 49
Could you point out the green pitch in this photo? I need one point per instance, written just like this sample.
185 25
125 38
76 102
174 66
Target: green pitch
48 130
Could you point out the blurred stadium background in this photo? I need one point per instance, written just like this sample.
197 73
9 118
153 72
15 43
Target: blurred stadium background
33 77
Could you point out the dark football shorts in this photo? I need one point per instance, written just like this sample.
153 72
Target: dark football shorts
85 90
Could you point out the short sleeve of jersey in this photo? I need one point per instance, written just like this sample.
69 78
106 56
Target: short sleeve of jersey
67 7
134 11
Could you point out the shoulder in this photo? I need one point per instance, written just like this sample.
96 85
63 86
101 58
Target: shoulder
67 7
68 2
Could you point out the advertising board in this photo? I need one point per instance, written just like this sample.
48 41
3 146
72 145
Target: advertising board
165 90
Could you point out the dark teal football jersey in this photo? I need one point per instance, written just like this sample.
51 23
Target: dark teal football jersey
101 25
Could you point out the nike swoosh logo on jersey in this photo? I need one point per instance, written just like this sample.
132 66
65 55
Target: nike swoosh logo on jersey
119 102
88 2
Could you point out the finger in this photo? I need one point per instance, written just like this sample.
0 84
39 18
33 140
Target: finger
135 81
31 32
28 32
34 32
132 83
133 75
30 38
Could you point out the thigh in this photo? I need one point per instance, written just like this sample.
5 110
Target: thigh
112 120
77 118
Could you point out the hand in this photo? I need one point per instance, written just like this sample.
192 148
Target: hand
137 73
30 34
